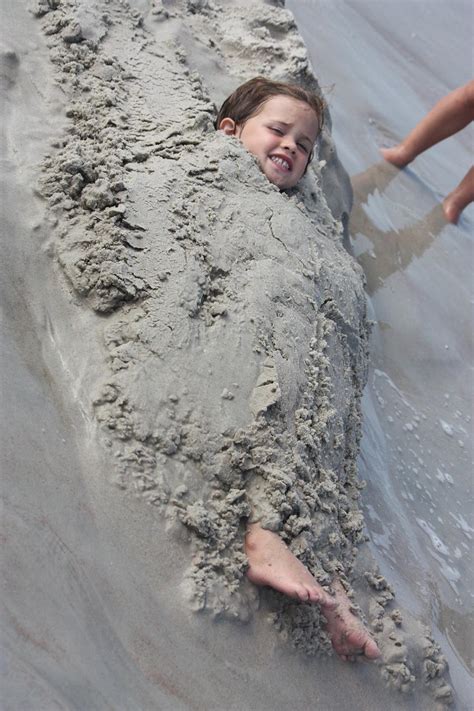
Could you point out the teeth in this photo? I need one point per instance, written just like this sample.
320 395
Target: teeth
281 161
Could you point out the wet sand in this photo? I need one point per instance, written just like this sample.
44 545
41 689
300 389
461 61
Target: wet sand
417 445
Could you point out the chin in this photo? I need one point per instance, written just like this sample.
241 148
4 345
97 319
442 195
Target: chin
281 182
283 185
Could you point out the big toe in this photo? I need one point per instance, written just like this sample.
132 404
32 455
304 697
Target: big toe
302 593
326 600
357 642
371 650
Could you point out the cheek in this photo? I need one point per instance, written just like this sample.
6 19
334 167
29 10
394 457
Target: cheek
250 140
304 164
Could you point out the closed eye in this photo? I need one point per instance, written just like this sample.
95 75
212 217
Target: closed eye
303 147
276 130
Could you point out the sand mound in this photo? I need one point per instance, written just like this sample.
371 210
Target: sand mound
235 343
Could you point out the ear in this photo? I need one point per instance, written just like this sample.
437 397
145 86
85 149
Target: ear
228 125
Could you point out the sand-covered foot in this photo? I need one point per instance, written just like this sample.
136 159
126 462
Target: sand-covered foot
398 155
461 196
349 637
271 563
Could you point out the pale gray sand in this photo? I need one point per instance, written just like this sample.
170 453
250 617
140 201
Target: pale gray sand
96 615
385 69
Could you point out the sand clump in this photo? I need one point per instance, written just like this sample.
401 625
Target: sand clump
232 319
409 652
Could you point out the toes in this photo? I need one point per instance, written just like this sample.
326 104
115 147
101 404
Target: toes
327 601
371 651
315 594
302 593
351 648
347 657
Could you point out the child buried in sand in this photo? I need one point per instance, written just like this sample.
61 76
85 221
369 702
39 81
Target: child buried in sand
279 124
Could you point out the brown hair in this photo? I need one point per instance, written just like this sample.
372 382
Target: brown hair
248 98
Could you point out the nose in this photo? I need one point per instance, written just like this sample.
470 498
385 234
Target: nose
289 144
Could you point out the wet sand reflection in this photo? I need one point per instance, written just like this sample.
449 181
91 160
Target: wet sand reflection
391 250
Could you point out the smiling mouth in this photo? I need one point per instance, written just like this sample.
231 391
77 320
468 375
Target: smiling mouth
281 163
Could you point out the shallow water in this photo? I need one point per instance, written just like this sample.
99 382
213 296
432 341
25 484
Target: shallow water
382 70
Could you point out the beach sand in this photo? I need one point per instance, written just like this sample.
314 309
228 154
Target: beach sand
381 67
159 356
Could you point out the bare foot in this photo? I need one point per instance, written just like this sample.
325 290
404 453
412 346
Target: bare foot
461 196
272 563
398 155
348 635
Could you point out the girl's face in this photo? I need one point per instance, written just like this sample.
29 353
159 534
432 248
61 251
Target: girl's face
281 136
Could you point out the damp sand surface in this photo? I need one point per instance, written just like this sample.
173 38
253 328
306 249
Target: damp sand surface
417 444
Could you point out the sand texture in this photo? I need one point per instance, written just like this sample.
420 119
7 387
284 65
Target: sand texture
190 347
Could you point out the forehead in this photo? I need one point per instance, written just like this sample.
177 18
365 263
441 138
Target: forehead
291 111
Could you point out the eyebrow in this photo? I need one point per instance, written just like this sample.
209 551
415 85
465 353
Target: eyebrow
284 123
